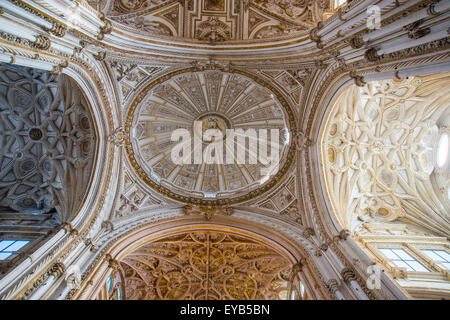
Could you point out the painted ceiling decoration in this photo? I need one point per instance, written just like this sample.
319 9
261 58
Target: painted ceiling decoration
219 20
223 100
206 265
379 154
48 142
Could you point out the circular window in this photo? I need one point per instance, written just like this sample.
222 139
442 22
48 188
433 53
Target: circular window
442 150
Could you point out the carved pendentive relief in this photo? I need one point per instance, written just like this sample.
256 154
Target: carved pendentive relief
48 142
133 198
293 82
378 152
283 202
130 76
206 265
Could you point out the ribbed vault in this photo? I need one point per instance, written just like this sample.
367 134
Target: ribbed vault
379 154
48 142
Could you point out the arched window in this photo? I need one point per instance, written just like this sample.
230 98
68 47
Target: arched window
112 289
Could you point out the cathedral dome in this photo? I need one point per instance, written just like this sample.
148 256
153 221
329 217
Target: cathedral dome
243 114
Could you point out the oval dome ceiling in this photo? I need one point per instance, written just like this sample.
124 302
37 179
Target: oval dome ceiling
217 20
198 102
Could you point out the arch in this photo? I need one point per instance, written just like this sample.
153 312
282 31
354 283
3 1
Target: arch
387 191
129 242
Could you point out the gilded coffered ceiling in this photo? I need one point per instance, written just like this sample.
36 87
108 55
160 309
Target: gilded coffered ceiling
206 264
218 20
379 154
220 101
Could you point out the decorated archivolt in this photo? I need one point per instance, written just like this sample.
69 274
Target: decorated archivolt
378 151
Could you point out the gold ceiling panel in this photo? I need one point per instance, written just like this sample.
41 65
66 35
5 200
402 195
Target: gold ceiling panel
219 20
206 265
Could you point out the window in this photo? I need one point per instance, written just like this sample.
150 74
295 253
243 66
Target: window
402 259
302 289
441 257
8 247
442 150
108 284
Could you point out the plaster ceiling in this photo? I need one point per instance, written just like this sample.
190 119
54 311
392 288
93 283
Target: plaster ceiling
219 100
217 20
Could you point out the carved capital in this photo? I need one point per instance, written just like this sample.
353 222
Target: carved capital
357 42
58 68
296 268
348 274
323 246
313 34
303 141
112 263
57 269
371 55
341 12
333 285
107 28
108 225
344 234
359 80
67 227
42 42
320 64
100 56
308 232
